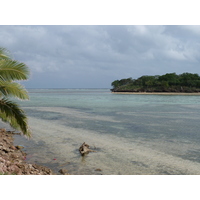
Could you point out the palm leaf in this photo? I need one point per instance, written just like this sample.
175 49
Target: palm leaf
10 120
11 70
13 89
14 115
4 53
10 112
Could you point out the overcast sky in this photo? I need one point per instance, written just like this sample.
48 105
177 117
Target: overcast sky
94 56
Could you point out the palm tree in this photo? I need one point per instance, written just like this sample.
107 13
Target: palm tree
10 112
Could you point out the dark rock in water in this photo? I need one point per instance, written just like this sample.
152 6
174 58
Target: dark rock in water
98 170
19 147
63 172
84 149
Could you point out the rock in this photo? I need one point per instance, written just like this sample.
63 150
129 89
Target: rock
3 130
6 150
13 147
12 159
19 147
84 149
63 172
98 170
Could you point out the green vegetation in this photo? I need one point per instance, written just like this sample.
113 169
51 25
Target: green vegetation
11 71
6 173
170 82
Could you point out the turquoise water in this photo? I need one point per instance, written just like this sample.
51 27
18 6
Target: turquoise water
132 134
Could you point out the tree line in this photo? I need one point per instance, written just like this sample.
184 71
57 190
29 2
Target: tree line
170 82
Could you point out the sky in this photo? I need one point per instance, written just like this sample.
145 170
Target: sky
93 56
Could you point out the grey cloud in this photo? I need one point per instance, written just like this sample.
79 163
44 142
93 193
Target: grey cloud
94 56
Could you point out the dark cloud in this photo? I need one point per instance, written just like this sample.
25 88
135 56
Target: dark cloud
94 56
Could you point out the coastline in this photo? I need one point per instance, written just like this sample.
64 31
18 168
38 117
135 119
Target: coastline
159 93
13 159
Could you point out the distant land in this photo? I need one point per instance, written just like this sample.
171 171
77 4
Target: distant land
167 83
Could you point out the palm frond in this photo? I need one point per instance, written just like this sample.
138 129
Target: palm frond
11 113
12 121
13 89
4 53
11 70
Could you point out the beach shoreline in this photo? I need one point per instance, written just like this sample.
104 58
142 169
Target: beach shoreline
159 93
13 159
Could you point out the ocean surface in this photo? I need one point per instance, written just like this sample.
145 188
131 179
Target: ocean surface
131 134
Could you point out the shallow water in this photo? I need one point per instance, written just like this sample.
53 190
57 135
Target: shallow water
132 134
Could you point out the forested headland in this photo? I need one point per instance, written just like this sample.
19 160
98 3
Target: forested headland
170 82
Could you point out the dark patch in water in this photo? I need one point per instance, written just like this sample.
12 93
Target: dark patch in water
139 164
41 143
170 172
44 114
165 170
193 155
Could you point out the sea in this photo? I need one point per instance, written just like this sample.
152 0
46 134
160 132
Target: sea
131 134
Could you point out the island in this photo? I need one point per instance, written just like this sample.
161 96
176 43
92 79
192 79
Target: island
167 83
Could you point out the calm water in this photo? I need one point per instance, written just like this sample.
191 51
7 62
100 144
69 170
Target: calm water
132 134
